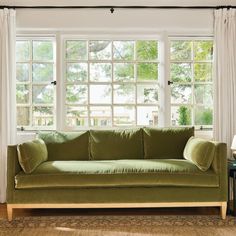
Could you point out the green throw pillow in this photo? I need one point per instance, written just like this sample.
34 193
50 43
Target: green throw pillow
201 152
32 154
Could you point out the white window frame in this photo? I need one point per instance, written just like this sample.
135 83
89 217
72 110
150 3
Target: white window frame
31 38
192 83
159 61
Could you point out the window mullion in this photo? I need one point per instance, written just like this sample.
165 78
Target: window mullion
88 107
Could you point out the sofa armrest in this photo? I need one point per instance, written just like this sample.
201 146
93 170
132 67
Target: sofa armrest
13 167
219 165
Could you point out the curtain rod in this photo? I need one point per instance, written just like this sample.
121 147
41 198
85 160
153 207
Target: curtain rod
115 7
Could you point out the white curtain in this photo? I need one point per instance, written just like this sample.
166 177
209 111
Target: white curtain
7 91
225 76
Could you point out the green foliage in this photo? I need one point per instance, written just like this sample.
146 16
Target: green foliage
147 50
76 72
147 71
22 94
202 72
42 72
76 50
181 50
181 72
123 72
76 93
203 116
203 50
184 115
123 50
43 50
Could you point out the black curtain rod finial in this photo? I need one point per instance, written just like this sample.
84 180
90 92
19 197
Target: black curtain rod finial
112 10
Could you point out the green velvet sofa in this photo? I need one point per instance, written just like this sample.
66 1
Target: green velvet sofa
118 168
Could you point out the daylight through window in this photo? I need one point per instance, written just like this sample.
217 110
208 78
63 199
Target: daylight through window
192 89
34 91
111 83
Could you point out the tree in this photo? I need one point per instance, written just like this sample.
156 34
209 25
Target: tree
184 116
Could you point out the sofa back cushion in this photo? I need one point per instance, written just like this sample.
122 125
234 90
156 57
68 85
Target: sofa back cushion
199 151
66 145
116 144
31 154
165 143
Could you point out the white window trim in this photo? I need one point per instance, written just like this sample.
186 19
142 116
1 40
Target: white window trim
207 129
125 37
30 37
164 70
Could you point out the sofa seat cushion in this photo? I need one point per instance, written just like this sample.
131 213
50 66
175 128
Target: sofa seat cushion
116 173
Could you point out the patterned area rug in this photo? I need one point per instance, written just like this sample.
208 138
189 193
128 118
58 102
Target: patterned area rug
119 225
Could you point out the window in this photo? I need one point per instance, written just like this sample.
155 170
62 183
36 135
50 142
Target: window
35 72
111 83
192 89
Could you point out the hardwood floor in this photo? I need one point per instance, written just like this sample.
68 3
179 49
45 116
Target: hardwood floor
136 211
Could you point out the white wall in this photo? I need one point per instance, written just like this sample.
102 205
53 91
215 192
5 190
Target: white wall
174 21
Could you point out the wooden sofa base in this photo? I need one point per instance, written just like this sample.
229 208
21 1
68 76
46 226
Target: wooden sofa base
222 205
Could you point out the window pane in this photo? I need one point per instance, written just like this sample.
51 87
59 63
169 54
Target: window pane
203 72
43 50
76 50
147 50
147 115
100 72
181 50
22 72
22 51
100 50
42 116
181 94
147 71
23 116
100 94
203 94
42 72
147 94
43 93
123 50
77 94
76 116
203 116
77 72
181 72
123 72
124 93
203 50
22 93
100 116
180 115
124 115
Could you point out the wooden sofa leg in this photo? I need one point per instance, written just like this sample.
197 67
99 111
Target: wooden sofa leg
9 212
223 210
